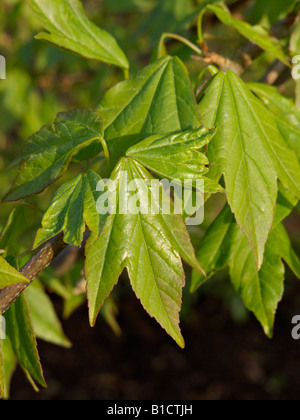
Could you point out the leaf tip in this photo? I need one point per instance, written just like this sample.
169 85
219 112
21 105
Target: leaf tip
269 331
181 343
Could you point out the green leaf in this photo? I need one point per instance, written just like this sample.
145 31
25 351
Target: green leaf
21 334
283 246
255 34
285 112
286 202
251 153
159 100
178 157
214 251
49 152
261 291
225 245
148 245
45 321
69 28
9 275
175 156
74 206
8 363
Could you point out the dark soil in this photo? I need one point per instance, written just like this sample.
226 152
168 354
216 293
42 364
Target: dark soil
222 361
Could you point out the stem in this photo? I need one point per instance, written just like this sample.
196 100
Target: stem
200 27
162 46
106 152
31 270
105 149
213 70
126 74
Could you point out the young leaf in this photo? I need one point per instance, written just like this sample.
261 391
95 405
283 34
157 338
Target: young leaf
9 275
74 205
22 337
159 100
49 152
255 34
249 150
148 245
45 322
175 156
69 28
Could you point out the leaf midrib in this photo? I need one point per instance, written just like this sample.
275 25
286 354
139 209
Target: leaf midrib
139 219
147 82
245 163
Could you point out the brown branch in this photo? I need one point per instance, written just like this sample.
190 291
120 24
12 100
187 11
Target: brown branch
31 270
223 63
246 55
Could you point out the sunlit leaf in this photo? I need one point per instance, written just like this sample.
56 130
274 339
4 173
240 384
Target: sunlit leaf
148 245
9 275
251 153
175 156
69 28
159 100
